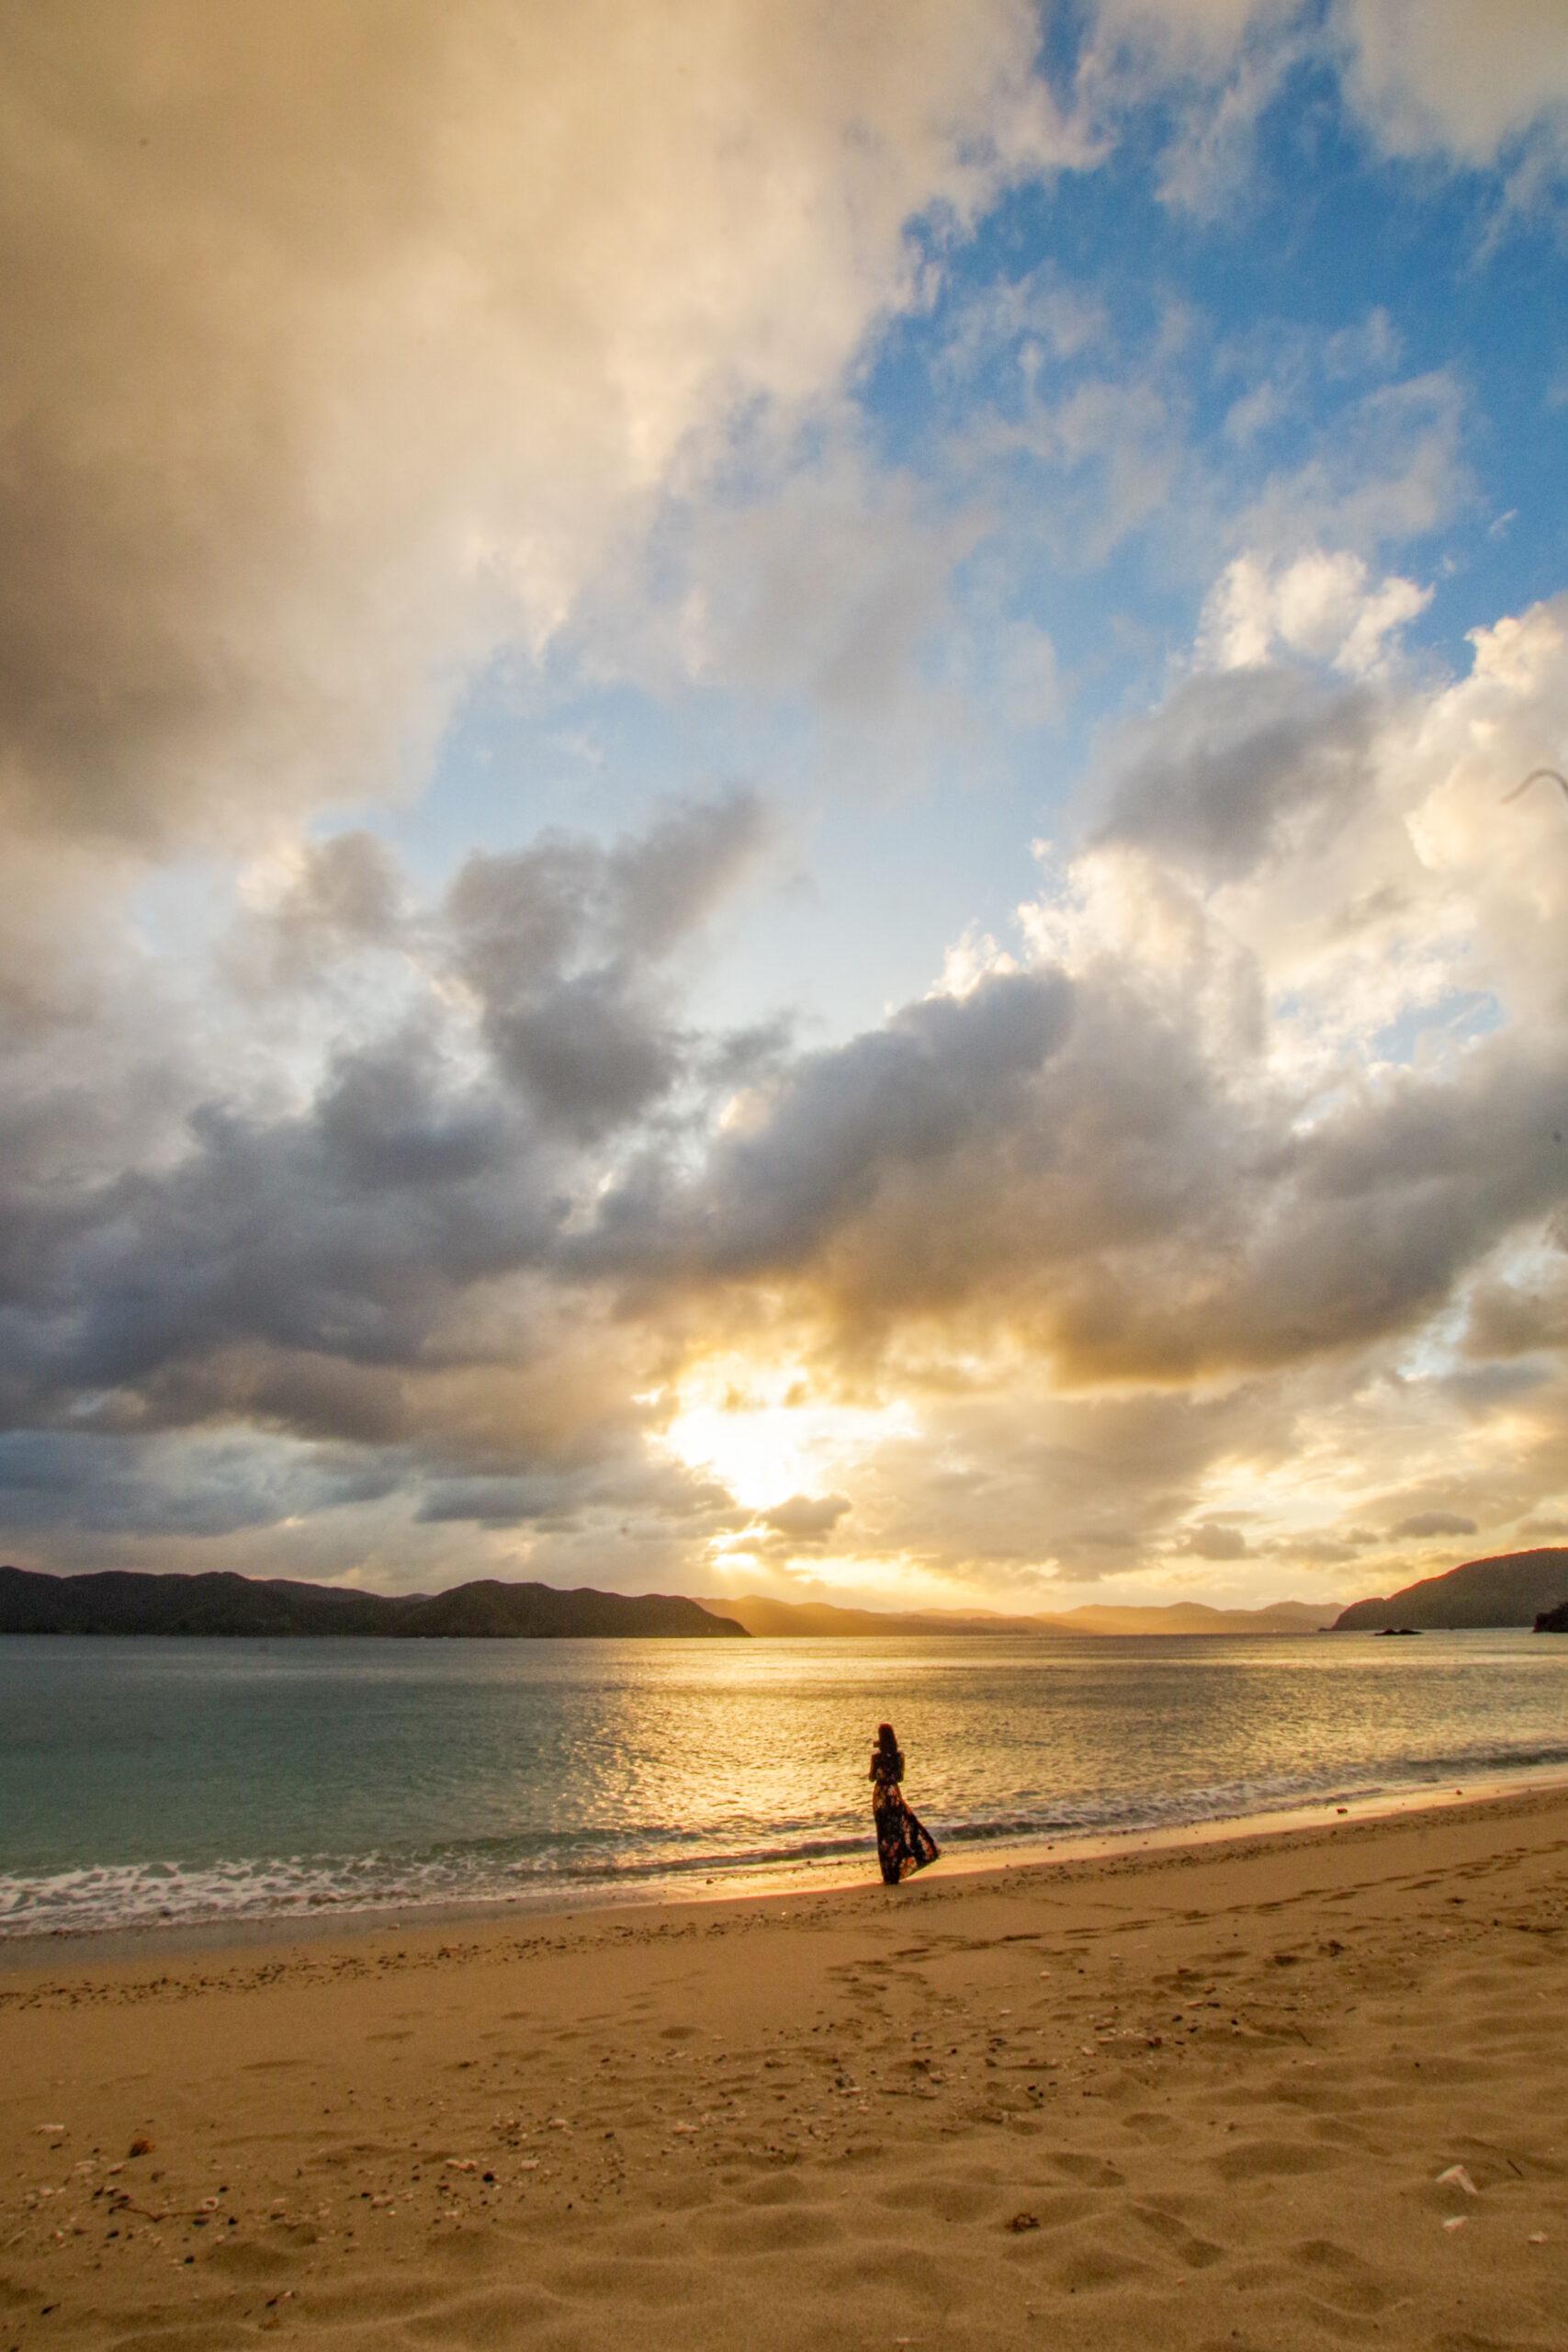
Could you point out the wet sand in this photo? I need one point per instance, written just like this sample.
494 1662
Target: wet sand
1204 2095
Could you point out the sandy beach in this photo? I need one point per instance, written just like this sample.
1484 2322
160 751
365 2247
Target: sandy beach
1294 2088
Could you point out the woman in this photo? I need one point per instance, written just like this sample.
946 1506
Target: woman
902 1846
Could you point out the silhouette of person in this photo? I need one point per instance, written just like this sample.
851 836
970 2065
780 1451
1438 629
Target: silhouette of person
903 1846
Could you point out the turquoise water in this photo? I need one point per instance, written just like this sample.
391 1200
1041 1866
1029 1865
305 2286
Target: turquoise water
183 1781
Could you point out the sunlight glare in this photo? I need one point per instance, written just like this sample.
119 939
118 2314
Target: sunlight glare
762 1434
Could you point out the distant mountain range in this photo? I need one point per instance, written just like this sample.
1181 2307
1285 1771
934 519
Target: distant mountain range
807 1617
1195 1617
126 1603
823 1619
1510 1589
1514 1589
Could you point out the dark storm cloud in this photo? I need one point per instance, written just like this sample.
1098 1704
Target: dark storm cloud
168 575
560 943
1112 1162
343 1230
346 896
1235 762
1433 1522
983 1150
587 1058
1508 1319
562 1499
328 369
471 1264
521 922
342 1267
101 1485
1217 1543
806 1519
483 1210
1479 1389
839 1138
1064 1159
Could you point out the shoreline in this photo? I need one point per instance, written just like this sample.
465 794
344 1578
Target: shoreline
1230 2095
280 1933
1245 2091
216 1850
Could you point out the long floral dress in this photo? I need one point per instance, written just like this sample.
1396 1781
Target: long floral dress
903 1846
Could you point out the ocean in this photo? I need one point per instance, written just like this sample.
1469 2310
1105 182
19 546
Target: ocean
173 1782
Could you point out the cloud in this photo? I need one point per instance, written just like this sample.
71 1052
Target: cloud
319 903
360 1258
1320 605
813 579
806 1519
1137 1155
1212 1541
1199 34
428 1199
1407 69
485 1236
1389 469
1221 63
1111 441
1433 1522
330 370
57 1481
1515 1318
1233 766
559 1498
1414 73
390 1221
843 1144
559 942
1019 1489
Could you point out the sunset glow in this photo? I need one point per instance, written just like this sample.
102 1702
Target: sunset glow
762 774
769 1438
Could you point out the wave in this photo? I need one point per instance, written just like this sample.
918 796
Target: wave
646 1859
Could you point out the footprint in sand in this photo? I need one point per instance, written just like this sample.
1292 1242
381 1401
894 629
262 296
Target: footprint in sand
1274 2160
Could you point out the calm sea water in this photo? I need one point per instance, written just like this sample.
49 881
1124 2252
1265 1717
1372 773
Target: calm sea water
149 1781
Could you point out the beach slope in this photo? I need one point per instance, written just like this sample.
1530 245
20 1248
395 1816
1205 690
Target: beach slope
1300 2089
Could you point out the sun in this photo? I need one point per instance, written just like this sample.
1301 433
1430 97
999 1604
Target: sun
760 1432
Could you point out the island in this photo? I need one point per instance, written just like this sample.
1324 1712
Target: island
122 1602
1505 1588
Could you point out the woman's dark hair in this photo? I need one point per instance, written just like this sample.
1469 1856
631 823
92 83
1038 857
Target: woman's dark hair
887 1748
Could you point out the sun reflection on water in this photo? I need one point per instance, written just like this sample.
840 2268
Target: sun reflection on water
190 1778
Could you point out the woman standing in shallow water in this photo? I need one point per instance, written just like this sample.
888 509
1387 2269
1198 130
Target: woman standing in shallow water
902 1846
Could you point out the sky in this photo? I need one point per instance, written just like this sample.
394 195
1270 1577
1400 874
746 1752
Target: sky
760 770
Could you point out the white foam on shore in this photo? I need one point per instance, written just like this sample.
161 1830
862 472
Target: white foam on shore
169 1893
